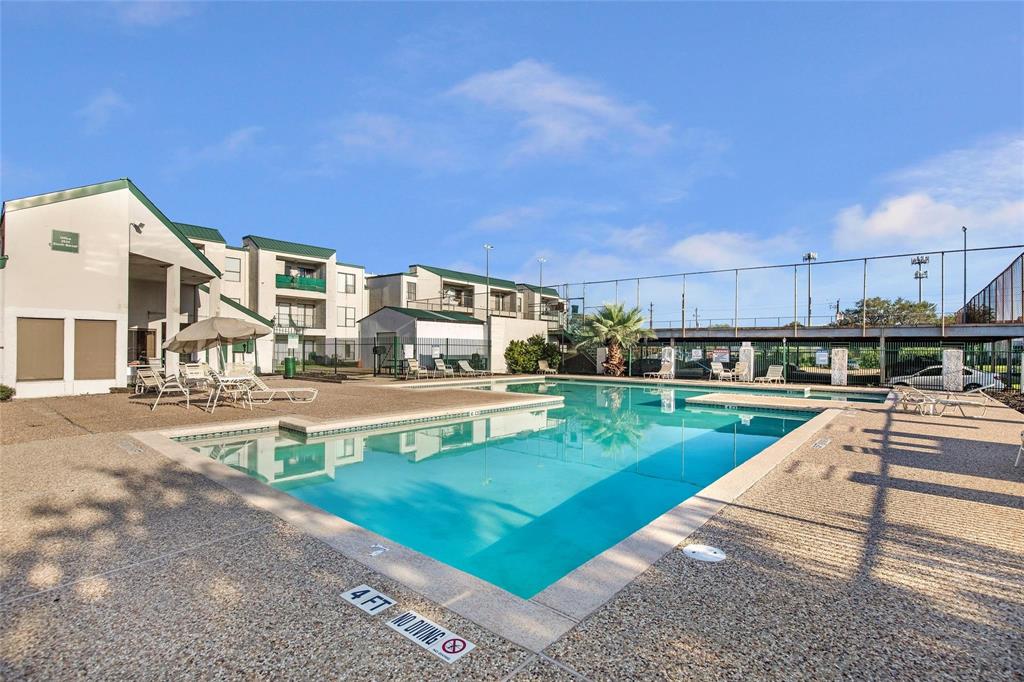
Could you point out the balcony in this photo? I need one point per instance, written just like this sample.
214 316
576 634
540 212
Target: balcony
302 283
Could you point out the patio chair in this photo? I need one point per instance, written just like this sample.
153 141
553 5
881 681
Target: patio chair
298 394
443 369
718 371
239 387
413 369
666 371
773 376
1020 453
152 381
467 370
962 400
195 375
912 399
544 368
738 371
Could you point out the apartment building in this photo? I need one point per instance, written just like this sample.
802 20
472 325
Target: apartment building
427 287
315 300
93 280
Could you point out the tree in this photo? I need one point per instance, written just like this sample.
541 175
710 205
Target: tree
522 356
882 312
614 328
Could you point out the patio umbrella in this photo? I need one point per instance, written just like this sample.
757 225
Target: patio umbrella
213 332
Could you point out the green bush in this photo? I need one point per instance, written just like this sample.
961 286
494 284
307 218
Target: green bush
522 356
6 392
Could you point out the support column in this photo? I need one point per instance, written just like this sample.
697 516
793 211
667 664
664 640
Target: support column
952 369
172 308
840 358
747 356
215 297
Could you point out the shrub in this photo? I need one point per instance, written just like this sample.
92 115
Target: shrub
522 356
6 392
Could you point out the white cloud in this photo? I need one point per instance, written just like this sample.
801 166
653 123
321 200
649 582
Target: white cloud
149 13
103 108
510 218
370 136
234 145
981 187
544 212
560 114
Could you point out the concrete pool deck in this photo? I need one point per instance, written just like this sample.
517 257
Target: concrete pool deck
893 549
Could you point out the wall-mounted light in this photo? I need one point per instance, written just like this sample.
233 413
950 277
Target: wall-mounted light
137 227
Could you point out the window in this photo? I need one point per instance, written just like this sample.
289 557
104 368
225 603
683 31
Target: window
346 282
40 349
232 269
410 291
346 316
95 349
297 315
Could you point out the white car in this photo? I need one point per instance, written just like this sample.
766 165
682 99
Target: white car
931 378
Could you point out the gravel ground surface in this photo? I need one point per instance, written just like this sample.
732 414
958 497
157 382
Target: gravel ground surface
893 551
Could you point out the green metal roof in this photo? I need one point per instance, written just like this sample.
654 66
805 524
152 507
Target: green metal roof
435 316
293 248
207 234
101 188
543 291
241 308
351 265
468 277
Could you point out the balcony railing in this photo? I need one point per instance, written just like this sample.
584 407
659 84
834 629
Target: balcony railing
302 283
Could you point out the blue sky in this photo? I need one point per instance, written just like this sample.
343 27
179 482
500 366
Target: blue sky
613 139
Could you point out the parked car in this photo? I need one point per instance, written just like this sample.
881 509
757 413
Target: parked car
931 378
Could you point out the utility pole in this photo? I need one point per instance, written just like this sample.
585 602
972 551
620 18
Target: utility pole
540 295
964 228
920 275
696 318
651 315
838 314
809 258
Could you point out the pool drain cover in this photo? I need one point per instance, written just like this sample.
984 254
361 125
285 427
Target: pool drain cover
704 553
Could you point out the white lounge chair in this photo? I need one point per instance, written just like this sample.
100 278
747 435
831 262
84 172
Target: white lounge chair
965 399
236 388
718 371
666 371
413 369
544 368
738 371
261 393
1020 453
467 370
443 369
152 381
912 399
774 375
196 375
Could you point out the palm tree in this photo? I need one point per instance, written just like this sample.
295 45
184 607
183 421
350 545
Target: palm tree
614 328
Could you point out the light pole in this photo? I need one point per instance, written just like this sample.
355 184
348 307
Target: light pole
487 291
809 258
540 294
920 275
964 228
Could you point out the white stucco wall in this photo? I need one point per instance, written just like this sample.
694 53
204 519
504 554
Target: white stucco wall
504 330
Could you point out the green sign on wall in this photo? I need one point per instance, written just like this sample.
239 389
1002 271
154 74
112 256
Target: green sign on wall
64 241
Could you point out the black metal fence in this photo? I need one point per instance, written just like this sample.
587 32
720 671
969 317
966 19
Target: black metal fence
382 355
869 363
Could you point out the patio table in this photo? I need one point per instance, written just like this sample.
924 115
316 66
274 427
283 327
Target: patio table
232 386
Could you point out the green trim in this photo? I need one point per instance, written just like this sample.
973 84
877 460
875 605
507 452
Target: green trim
172 227
237 248
294 248
206 234
468 277
432 315
393 274
241 308
3 262
65 194
543 291
351 265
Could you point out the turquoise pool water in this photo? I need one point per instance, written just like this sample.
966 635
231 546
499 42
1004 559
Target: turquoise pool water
516 498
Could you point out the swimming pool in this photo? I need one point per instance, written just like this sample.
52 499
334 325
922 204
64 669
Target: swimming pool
517 498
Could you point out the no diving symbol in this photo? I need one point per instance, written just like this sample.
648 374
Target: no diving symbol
453 645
